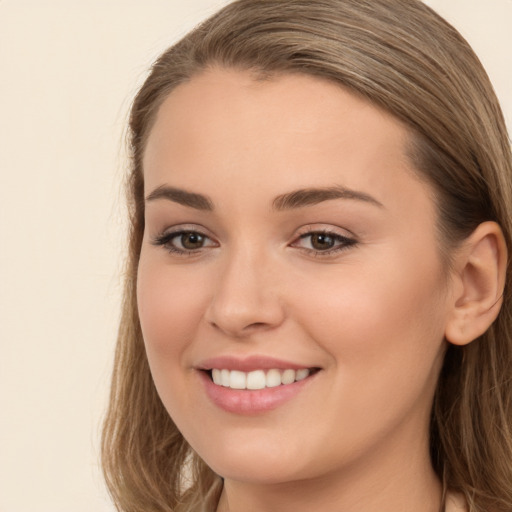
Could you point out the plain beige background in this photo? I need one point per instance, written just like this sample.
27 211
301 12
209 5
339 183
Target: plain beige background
68 70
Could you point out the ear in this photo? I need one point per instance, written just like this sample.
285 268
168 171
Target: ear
479 278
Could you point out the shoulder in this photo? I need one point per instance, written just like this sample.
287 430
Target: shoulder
455 503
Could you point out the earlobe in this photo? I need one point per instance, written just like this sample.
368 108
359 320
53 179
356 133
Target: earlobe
480 275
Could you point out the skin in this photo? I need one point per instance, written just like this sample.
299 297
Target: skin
371 316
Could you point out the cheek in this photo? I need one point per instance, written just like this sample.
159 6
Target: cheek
374 300
170 307
170 310
383 329
383 332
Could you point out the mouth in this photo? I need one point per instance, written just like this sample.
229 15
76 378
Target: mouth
258 379
254 385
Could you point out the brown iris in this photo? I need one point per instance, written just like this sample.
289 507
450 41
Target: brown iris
191 241
322 241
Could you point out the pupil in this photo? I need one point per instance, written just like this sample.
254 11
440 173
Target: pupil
192 241
322 242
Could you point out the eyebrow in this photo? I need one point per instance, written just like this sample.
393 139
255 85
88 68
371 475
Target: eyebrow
183 197
289 201
312 196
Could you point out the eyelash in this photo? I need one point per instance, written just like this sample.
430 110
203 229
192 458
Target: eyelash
165 240
343 242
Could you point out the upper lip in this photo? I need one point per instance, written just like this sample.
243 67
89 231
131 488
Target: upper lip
248 364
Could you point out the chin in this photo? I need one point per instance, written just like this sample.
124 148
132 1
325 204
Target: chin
272 465
259 473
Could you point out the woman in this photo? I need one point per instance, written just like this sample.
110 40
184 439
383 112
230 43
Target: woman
317 308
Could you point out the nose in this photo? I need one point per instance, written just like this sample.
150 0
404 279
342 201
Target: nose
246 297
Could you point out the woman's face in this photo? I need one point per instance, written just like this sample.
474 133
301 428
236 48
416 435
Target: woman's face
289 247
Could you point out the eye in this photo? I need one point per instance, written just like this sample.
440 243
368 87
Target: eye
184 241
323 242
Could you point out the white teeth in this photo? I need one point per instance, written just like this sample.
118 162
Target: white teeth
288 377
216 376
302 374
257 379
225 378
238 380
273 378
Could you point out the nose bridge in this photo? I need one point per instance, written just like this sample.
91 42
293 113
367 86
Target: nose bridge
246 296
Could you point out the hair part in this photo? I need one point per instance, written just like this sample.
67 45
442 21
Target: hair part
402 57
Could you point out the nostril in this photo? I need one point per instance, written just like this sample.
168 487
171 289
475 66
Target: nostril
238 329
256 325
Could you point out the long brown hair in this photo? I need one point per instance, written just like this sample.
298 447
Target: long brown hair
403 57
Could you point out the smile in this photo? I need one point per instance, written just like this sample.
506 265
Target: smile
255 384
258 379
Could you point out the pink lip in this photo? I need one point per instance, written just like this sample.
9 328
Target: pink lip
248 364
250 402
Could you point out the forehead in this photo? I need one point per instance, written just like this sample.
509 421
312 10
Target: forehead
220 94
288 131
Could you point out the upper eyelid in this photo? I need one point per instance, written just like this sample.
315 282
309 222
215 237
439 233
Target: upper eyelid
164 236
328 233
302 231
344 243
186 228
325 228
165 240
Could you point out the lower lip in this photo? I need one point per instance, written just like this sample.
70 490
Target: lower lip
248 401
